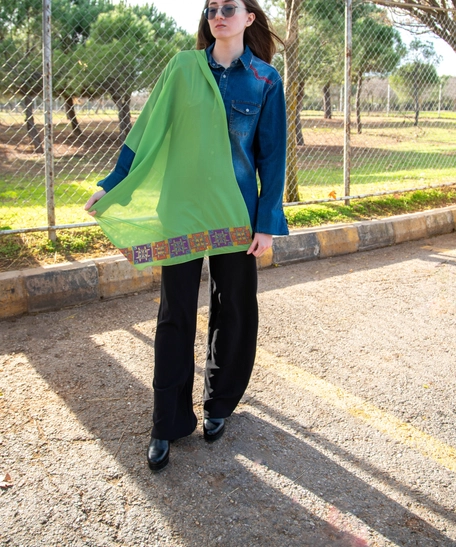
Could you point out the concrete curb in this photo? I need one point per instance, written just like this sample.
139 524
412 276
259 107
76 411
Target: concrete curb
51 288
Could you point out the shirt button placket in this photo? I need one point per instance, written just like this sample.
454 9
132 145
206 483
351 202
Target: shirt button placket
224 81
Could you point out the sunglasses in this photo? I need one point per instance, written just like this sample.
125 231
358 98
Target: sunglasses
227 11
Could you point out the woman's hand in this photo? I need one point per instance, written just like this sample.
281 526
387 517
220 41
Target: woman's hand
260 244
93 199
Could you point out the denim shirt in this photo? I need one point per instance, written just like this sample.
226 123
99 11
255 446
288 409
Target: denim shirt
252 93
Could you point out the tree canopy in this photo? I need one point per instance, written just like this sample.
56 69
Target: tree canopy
439 16
98 48
126 51
314 55
418 75
377 50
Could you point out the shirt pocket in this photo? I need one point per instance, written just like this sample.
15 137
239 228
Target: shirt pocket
242 117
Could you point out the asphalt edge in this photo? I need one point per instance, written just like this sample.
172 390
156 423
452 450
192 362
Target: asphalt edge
51 288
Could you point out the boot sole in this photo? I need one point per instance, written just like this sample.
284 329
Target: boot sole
159 465
211 438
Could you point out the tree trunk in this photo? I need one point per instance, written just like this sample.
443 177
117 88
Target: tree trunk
71 116
30 124
358 102
291 62
416 99
299 101
123 106
327 101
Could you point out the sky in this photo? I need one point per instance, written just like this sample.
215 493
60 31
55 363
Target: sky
447 65
187 14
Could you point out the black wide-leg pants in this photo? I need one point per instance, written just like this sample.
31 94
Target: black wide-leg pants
232 336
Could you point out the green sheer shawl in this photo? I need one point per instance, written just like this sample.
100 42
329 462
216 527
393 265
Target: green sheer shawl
180 199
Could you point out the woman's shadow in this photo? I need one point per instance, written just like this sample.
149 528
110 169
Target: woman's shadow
258 485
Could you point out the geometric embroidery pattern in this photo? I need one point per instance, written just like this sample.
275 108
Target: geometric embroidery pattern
240 236
142 254
160 250
199 242
128 253
179 246
220 238
187 245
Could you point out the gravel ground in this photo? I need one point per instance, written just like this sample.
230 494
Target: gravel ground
345 437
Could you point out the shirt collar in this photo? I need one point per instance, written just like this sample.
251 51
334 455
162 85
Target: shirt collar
245 58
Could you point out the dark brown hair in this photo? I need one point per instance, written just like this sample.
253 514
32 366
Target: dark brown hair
259 36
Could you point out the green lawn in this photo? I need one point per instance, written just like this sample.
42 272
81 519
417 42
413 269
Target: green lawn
33 249
369 208
390 155
25 205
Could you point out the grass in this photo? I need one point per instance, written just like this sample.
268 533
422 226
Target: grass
35 249
389 154
70 196
370 208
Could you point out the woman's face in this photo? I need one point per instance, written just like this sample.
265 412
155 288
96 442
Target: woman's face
226 28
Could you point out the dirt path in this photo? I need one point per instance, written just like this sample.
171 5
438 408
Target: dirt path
346 436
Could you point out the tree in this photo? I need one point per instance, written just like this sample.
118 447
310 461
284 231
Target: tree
21 62
309 54
71 24
419 74
377 49
124 53
436 15
20 15
320 61
325 19
293 10
314 52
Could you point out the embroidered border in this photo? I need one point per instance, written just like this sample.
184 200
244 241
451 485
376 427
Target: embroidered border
187 245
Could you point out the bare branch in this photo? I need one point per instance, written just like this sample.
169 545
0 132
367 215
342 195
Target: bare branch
415 6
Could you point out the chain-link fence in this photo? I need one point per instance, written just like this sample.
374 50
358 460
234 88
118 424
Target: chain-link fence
61 134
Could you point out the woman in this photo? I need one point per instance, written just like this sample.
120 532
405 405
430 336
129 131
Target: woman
232 71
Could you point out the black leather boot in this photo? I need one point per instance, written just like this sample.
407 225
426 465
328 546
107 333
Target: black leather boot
213 428
157 454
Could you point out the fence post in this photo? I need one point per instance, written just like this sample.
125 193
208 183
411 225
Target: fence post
48 128
440 98
388 100
347 109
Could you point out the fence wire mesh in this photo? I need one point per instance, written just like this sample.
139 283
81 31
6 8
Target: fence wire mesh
107 56
403 119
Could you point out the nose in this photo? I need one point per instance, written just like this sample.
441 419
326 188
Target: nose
219 14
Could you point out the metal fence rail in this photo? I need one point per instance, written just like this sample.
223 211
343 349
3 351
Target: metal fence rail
368 116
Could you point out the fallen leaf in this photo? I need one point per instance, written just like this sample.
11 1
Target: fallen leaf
332 194
5 481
